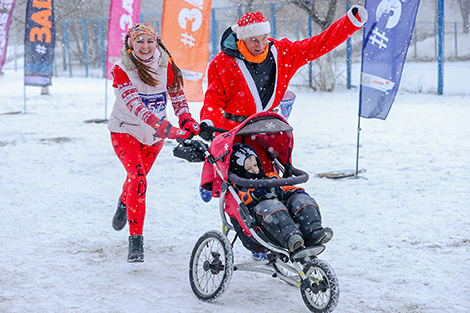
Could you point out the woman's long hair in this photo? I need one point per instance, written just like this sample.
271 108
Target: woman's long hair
178 81
146 72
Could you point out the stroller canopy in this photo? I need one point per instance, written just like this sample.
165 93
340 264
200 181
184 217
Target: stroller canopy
267 132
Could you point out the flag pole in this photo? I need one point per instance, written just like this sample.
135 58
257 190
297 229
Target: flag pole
348 5
357 147
24 97
105 98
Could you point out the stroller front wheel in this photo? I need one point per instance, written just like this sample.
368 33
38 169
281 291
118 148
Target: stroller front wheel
323 294
211 266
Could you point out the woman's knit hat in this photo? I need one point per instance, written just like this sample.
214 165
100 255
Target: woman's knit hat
139 29
251 25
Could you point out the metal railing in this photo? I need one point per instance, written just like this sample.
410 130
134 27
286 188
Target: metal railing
81 44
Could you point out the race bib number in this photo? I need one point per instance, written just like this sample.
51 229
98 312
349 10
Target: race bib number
155 102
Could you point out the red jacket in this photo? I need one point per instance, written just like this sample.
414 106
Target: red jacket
229 91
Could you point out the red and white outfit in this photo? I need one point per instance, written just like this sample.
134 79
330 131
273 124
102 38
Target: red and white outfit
231 88
138 106
137 110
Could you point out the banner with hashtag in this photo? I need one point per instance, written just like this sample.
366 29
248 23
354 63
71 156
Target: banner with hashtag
39 43
122 15
387 35
185 32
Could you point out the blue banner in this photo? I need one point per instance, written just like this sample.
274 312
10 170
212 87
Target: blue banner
387 35
39 43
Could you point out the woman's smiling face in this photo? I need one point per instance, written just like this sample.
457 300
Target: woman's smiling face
144 46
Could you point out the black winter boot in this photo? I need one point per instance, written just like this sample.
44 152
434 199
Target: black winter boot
136 249
120 217
295 243
320 237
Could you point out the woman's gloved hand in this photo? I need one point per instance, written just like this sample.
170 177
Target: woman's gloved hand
188 123
164 129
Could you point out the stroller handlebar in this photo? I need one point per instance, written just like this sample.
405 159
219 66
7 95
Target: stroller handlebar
191 150
298 177
195 143
216 129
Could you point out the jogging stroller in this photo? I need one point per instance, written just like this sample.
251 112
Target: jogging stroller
212 260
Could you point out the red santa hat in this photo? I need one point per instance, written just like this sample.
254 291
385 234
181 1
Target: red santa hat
251 25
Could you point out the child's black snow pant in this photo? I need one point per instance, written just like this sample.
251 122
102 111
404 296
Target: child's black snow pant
274 217
299 215
306 214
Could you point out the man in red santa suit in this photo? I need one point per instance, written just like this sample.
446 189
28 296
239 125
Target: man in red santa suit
252 72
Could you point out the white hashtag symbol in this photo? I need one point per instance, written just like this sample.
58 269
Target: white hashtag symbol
188 40
381 41
41 49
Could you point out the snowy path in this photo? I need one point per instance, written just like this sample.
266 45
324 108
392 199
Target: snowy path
402 240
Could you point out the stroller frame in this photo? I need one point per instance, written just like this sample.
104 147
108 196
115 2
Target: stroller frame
212 261
280 256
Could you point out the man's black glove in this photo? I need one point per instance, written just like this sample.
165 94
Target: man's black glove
206 132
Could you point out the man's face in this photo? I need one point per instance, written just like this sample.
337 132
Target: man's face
256 45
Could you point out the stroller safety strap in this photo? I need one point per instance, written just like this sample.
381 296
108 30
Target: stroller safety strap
221 157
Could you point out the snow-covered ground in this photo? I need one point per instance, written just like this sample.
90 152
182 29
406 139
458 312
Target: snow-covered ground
402 239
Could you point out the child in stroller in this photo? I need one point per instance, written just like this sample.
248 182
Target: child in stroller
289 216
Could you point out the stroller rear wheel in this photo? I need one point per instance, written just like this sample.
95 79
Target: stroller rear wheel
211 266
323 295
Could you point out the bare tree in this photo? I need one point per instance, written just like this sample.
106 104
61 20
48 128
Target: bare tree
324 79
323 14
465 10
62 10
311 8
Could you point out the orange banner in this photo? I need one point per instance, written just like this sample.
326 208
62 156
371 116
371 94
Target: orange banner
185 32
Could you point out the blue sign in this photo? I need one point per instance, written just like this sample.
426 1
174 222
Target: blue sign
387 35
39 43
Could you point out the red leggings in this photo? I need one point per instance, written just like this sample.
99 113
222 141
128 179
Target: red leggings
137 159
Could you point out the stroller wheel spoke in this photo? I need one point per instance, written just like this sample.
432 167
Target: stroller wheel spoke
323 292
211 266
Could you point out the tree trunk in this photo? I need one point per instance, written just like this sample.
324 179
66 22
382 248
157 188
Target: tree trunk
465 10
326 77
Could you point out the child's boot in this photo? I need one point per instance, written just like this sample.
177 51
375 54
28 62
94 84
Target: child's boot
320 237
295 243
